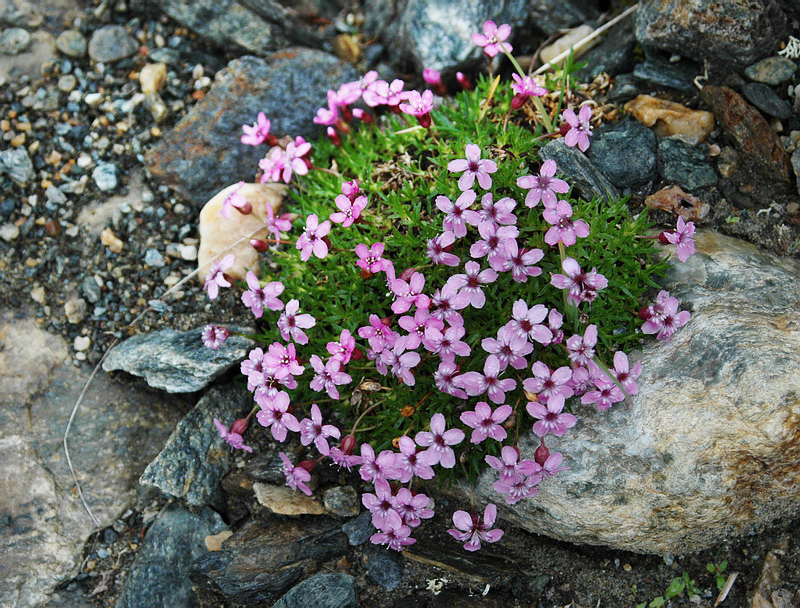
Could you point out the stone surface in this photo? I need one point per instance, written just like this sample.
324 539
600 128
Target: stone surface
202 153
587 180
342 501
766 100
219 234
796 167
194 458
729 32
658 70
322 591
672 119
757 144
282 500
684 165
359 529
570 38
29 62
264 559
16 163
177 361
111 43
437 33
384 567
710 446
625 152
116 431
553 16
72 44
159 574
14 40
772 70
613 55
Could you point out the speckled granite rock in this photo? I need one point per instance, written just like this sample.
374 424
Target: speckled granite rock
710 446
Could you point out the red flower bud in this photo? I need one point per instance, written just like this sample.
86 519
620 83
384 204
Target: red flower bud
357 354
645 314
407 273
387 321
662 238
240 426
541 455
259 245
308 465
348 444
564 129
518 101
425 120
271 140
464 81
245 209
327 241
365 274
334 136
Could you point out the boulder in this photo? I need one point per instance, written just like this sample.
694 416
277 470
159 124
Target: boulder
709 448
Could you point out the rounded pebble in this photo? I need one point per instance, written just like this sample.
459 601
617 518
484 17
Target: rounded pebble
81 343
14 40
72 44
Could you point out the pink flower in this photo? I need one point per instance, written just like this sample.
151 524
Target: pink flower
493 244
380 468
554 321
606 395
295 151
581 129
439 440
493 39
409 293
580 349
509 347
403 363
416 326
277 418
296 477
419 106
517 487
546 384
291 324
506 465
312 430
683 239
383 93
485 422
543 186
395 534
216 276
626 376
276 225
668 321
444 379
282 360
563 228
551 418
380 504
471 281
343 349
234 199
272 165
258 133
330 115
473 167
233 439
432 76
489 381
371 259
464 81
328 376
446 344
412 507
582 286
378 334
411 463
257 298
454 218
312 240
471 530
491 212
343 459
437 249
526 322
349 211
447 302
213 336
524 88
521 261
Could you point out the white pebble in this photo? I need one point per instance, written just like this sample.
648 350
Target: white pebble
81 343
92 99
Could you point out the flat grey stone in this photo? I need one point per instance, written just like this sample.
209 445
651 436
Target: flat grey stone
625 152
766 100
14 40
322 591
16 163
586 179
111 43
772 70
685 165
72 44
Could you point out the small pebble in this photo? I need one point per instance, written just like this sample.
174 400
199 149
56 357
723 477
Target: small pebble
14 40
153 257
54 195
92 99
81 343
188 252
111 240
9 232
72 43
38 294
67 83
105 176
76 310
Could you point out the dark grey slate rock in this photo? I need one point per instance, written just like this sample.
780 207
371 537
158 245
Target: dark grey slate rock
322 591
91 290
111 43
772 70
72 43
165 55
195 459
14 40
795 160
202 154
766 100
626 87
342 501
729 32
16 163
159 574
437 33
587 180
384 567
625 152
264 559
660 71
614 54
177 361
359 529
685 165
552 16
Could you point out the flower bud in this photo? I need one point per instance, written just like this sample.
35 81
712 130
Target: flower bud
425 120
662 238
645 313
387 321
334 136
564 128
348 444
510 422
245 209
365 274
357 354
271 140
327 241
259 245
362 115
541 455
308 465
407 274
518 101
464 81
240 426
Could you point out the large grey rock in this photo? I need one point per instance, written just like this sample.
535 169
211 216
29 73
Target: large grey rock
111 43
685 165
195 459
614 54
159 574
322 591
658 70
553 16
709 447
437 33
203 154
16 163
728 32
263 559
625 152
177 361
116 432
772 70
587 180
767 100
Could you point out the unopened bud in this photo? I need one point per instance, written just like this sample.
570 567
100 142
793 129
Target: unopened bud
259 245
240 426
407 274
645 313
662 238
425 120
510 422
362 115
348 444
365 273
271 140
396 443
541 455
464 81
531 396
386 321
334 136
308 465
357 354
245 208
518 101
564 128
327 241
